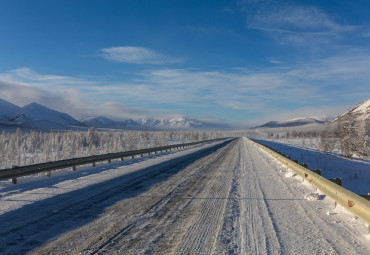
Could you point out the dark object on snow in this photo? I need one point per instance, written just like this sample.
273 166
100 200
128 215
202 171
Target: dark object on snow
317 171
337 181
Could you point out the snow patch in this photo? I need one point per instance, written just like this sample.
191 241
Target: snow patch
314 196
290 174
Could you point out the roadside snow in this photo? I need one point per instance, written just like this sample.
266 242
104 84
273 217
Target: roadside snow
355 173
227 199
289 174
314 196
30 189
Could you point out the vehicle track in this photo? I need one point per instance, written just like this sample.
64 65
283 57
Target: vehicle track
66 211
229 199
140 212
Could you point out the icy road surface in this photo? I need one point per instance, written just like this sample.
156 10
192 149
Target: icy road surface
223 198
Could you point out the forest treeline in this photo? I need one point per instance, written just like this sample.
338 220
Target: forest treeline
25 148
349 135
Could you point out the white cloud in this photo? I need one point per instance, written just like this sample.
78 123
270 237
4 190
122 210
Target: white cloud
296 24
274 61
340 80
135 55
75 96
28 77
294 19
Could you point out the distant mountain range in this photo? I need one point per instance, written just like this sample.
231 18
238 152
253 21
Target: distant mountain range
362 111
102 122
182 123
154 124
35 116
39 117
291 123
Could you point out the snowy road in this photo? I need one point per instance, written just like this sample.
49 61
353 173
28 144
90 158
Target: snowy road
225 198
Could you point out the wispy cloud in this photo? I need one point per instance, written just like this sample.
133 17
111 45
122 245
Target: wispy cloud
27 76
295 19
328 83
274 61
135 55
295 24
76 96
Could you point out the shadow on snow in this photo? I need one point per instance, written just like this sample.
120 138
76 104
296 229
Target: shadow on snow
355 173
32 225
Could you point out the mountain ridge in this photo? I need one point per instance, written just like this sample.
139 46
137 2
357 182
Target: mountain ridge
362 110
39 117
7 109
291 123
34 112
182 123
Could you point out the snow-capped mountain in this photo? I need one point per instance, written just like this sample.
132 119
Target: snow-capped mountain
181 123
34 112
291 123
7 109
153 124
99 122
102 122
36 116
362 111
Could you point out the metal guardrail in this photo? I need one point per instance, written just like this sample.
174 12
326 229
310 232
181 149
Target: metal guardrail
13 173
352 202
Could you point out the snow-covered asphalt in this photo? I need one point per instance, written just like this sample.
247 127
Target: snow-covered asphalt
224 198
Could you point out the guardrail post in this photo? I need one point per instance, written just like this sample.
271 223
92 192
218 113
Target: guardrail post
366 196
304 165
74 162
337 181
317 171
354 203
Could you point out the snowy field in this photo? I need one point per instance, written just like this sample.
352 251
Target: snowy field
221 198
355 173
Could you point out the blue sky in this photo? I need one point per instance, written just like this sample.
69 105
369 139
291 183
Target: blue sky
240 62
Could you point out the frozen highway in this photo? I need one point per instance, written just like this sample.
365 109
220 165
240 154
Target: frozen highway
222 198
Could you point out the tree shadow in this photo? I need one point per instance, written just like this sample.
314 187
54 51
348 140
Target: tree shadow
32 225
